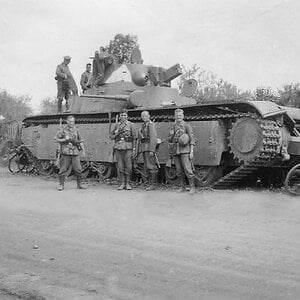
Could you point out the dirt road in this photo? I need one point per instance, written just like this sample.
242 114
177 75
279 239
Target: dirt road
105 244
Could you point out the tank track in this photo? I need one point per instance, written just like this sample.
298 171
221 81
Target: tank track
271 141
270 148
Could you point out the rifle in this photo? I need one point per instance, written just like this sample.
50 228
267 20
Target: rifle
57 161
111 159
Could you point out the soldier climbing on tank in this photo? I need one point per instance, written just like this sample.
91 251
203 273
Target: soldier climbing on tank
71 145
147 141
124 135
181 147
65 84
102 64
85 77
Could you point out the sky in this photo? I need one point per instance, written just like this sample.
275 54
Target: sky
247 43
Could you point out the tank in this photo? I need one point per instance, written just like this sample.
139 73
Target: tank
237 142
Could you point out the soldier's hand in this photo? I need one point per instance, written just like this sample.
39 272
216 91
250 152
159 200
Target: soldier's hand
82 153
151 153
191 156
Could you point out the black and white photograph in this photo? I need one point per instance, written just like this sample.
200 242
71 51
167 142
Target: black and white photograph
150 150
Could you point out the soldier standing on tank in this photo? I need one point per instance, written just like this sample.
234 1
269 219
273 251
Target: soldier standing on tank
65 84
181 147
124 135
85 77
71 145
147 141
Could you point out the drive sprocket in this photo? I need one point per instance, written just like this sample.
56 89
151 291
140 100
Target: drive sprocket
250 138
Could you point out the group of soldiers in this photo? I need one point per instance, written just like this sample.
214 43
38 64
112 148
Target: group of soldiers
130 142
66 85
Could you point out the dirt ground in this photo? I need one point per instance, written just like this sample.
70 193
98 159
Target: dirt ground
101 243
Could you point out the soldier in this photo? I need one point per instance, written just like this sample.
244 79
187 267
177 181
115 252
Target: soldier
124 135
147 140
85 76
181 147
70 146
65 83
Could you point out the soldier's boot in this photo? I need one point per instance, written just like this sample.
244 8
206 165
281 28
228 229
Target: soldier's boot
67 106
153 182
122 182
80 185
127 184
61 183
182 184
192 185
59 105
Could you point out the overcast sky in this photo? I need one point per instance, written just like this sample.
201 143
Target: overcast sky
248 43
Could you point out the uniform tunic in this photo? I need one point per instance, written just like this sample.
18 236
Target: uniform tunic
65 82
179 152
69 150
124 134
85 76
147 138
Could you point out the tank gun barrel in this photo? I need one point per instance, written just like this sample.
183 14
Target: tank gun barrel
114 97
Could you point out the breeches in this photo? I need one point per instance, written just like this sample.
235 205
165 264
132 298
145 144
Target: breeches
67 161
124 161
183 164
61 92
149 162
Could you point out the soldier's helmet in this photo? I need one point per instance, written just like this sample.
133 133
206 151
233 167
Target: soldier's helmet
183 139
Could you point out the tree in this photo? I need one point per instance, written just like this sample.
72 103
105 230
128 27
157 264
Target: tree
14 108
210 88
266 94
48 106
121 47
290 95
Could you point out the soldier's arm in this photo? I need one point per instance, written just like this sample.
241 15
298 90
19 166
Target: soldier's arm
190 133
60 73
83 81
152 136
113 132
59 138
134 133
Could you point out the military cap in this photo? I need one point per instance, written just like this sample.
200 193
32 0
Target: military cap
67 57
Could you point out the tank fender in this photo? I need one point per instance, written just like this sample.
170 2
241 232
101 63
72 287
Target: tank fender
267 109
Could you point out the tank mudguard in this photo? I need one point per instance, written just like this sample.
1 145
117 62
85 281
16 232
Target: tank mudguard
267 108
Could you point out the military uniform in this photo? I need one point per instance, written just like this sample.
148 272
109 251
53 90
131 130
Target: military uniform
69 153
85 77
147 138
124 135
180 152
65 84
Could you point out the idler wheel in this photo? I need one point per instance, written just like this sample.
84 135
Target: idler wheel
246 139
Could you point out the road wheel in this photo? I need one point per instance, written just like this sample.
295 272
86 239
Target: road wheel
46 167
206 175
104 169
85 165
292 181
170 174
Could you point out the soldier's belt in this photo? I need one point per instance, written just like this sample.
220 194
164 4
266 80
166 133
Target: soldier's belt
126 139
145 140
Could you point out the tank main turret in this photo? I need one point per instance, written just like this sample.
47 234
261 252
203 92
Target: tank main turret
131 85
